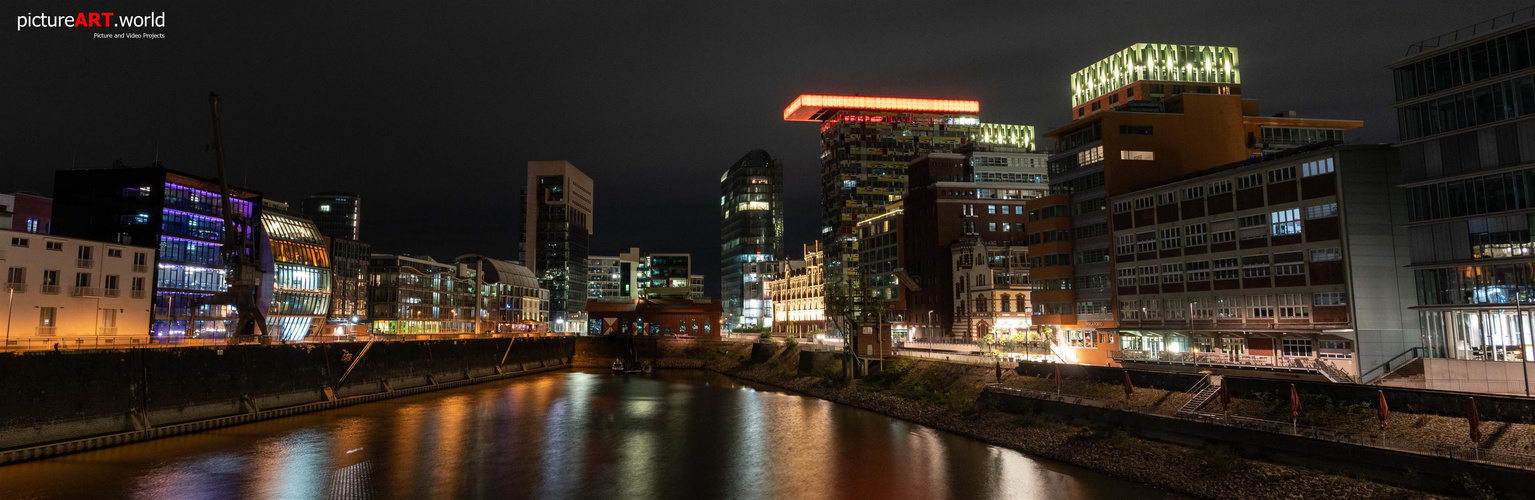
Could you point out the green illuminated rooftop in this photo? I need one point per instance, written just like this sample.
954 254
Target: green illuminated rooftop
1002 134
1159 62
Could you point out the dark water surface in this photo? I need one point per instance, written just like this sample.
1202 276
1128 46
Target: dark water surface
570 434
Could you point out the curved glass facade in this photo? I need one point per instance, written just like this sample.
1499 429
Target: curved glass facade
300 276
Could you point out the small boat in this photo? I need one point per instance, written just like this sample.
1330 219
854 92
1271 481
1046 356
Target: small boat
618 367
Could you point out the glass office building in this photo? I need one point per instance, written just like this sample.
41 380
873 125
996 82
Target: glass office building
751 231
297 273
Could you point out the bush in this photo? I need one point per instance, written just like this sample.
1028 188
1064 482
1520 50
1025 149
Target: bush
1474 488
790 342
765 336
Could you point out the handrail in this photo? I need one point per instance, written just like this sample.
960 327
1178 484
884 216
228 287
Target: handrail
1514 17
1386 368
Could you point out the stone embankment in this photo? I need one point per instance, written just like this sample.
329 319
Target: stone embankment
947 396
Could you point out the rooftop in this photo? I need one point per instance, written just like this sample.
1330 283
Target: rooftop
814 107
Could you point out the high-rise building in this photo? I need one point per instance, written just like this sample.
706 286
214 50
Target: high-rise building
296 270
866 143
1151 135
180 213
557 230
751 227
1153 72
1466 115
337 214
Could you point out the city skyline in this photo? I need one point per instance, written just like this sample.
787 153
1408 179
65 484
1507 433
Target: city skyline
314 105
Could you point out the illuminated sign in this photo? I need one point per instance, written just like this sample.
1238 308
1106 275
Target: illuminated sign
1157 62
811 107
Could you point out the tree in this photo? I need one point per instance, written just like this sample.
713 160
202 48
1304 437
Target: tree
850 305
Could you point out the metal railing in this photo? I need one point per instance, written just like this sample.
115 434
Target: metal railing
1396 362
50 289
84 263
47 331
137 294
16 287
140 268
106 330
112 292
1220 359
1472 31
84 291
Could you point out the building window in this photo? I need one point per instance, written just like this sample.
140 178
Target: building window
1198 270
1250 181
991 226
1260 306
47 317
1007 209
16 276
991 210
1143 203
55 246
1126 276
1193 193
1170 238
1294 306
1281 175
1285 222
1121 207
1329 298
1146 242
1226 269
1124 244
1326 254
1172 273
1289 264
1135 129
1148 275
1318 167
1167 198
1194 235
1322 211
1255 266
1220 187
1296 348
1223 231
21 242
1137 155
1254 226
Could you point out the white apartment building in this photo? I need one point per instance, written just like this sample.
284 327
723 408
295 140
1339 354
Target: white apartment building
73 293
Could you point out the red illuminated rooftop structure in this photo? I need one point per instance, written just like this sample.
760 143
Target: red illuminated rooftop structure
814 108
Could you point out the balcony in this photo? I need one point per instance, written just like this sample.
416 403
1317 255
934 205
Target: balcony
141 268
49 289
16 287
47 331
112 292
84 291
137 294
107 330
1319 368
85 263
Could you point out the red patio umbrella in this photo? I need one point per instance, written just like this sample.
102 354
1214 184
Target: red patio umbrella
1383 411
1057 379
1294 409
1475 419
1129 387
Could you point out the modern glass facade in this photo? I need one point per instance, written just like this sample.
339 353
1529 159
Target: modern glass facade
1159 62
557 229
751 230
410 295
1466 115
298 274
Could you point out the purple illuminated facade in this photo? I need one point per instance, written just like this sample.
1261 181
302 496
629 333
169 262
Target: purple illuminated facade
183 215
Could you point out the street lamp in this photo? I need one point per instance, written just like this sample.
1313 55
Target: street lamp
9 315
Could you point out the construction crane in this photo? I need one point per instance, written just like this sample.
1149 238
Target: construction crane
243 276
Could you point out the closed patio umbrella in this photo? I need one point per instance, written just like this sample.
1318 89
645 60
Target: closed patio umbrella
1129 387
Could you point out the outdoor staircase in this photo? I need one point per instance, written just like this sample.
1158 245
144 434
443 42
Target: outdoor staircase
1410 374
1203 392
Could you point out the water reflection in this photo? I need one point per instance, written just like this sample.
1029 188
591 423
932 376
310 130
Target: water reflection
570 435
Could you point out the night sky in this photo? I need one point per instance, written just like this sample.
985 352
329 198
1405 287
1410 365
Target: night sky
431 112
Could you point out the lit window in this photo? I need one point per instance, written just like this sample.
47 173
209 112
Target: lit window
1137 155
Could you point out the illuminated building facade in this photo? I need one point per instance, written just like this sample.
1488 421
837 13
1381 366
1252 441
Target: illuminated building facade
607 276
510 300
672 317
556 237
1153 72
950 203
1466 118
182 215
419 295
881 257
296 273
866 143
338 216
73 292
1287 264
991 285
1110 152
751 230
757 300
799 295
